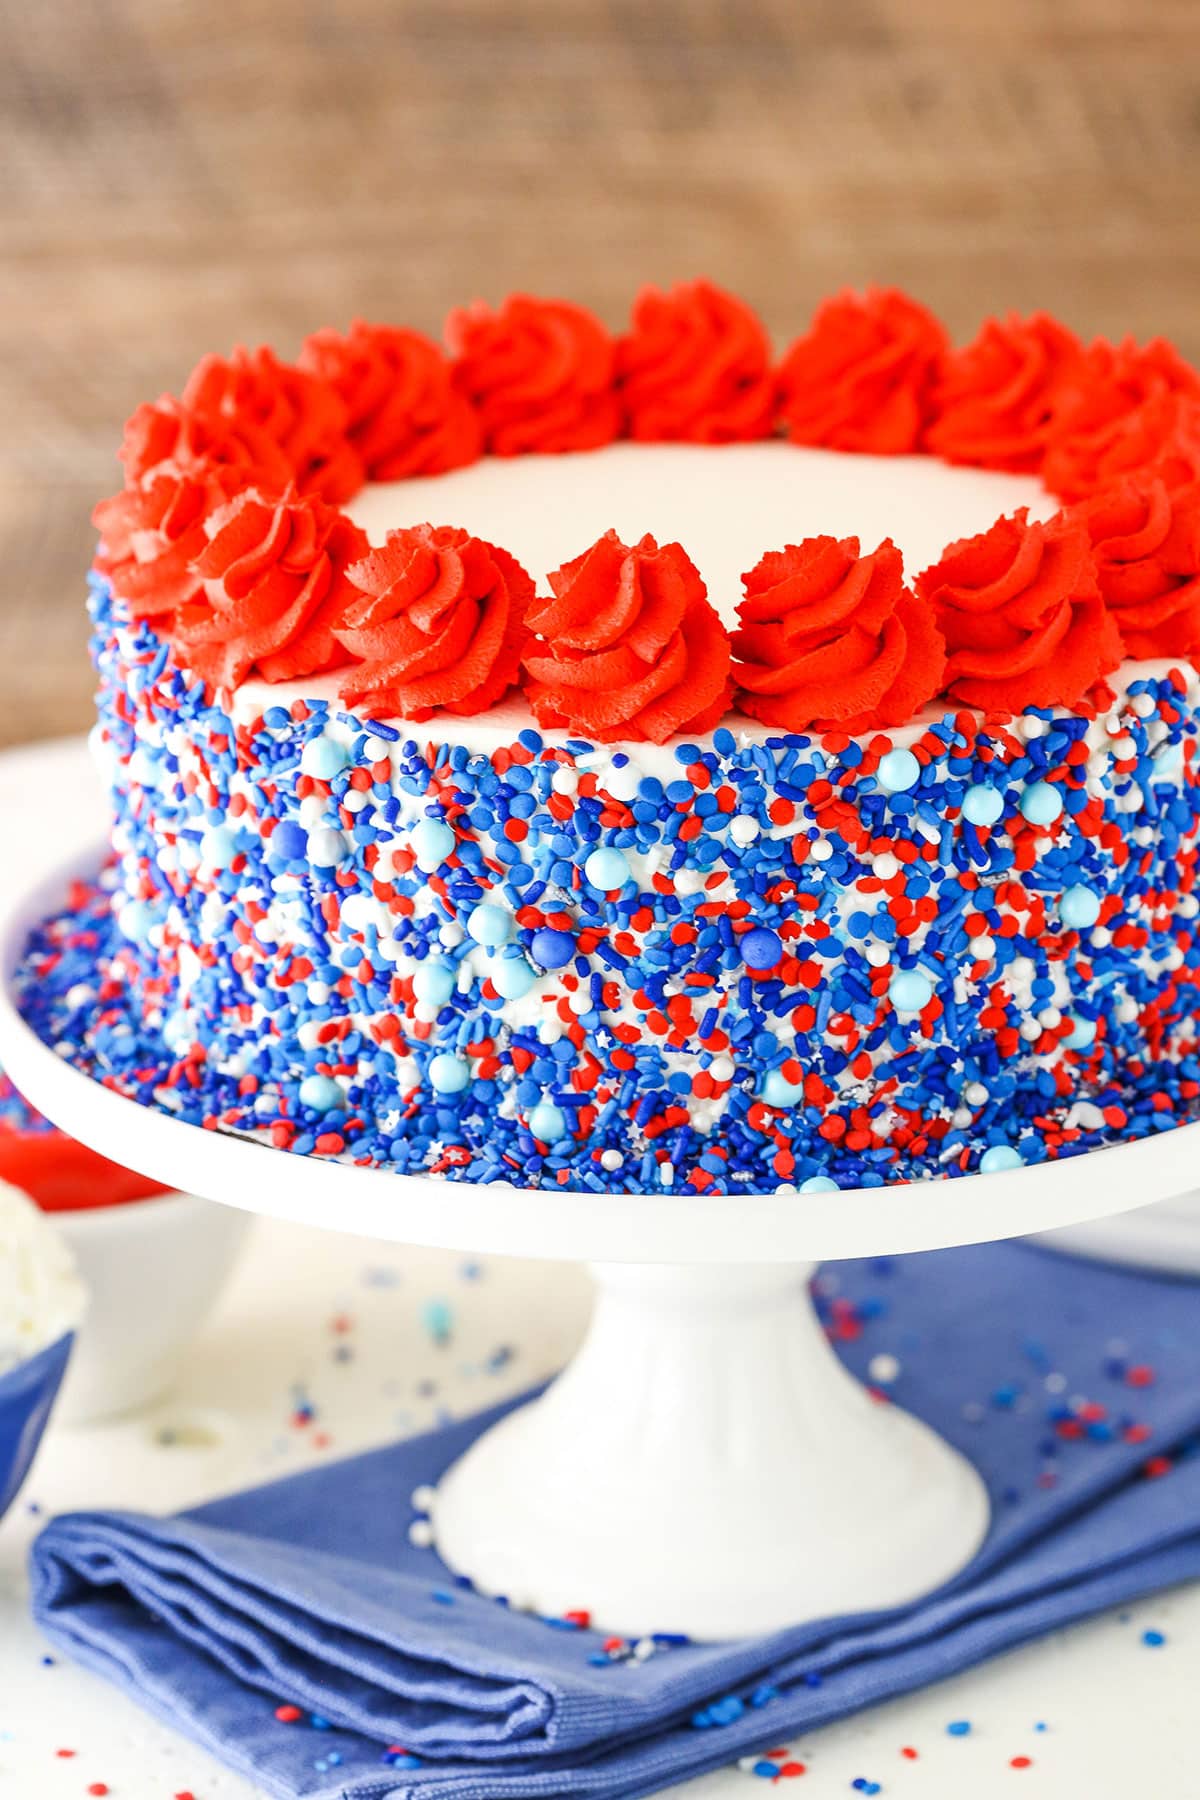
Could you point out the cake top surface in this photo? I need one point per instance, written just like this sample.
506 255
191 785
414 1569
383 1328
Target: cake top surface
427 533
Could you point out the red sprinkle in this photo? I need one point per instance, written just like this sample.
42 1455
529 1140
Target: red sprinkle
287 1715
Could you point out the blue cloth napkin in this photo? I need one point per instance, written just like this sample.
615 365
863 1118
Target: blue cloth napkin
1063 1381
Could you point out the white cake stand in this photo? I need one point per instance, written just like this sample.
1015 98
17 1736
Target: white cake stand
705 1464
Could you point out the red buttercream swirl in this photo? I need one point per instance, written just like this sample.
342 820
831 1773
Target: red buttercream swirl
180 439
1146 541
404 415
1022 615
994 400
1127 407
695 366
860 378
631 647
291 407
274 584
832 637
151 535
538 373
439 622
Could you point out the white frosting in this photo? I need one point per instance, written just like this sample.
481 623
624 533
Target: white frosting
726 504
41 1293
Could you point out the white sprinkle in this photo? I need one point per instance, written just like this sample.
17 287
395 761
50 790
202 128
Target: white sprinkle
975 1094
420 1534
611 1159
885 866
564 780
820 850
743 829
883 1368
423 1498
1055 1384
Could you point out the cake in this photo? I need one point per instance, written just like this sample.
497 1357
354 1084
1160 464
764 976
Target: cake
642 762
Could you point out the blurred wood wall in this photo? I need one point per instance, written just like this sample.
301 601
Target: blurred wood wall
179 175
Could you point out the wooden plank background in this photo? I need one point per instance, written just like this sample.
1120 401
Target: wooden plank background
178 175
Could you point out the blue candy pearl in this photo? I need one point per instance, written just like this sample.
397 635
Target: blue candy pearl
1079 907
818 1184
489 925
326 848
1000 1156
982 805
449 1074
218 846
323 758
1083 1033
760 949
1041 803
321 1092
547 1122
777 1090
288 841
511 977
898 771
909 991
432 841
606 869
553 949
434 982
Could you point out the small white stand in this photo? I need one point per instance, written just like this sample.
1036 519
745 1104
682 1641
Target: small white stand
704 1464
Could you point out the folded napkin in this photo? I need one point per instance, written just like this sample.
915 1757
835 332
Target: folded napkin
1074 1388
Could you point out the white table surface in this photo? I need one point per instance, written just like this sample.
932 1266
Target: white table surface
342 1323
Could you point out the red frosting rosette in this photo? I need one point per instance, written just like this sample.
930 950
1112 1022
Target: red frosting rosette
860 378
404 415
290 407
831 637
538 373
151 535
1022 614
631 647
695 365
168 435
994 400
1146 541
274 584
1127 407
439 621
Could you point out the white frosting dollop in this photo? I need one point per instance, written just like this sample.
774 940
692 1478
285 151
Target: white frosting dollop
42 1295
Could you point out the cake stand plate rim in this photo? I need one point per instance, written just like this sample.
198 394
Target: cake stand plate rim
560 1224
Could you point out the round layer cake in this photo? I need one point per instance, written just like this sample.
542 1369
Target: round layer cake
782 803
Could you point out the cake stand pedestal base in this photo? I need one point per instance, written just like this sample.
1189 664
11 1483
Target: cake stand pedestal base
706 1465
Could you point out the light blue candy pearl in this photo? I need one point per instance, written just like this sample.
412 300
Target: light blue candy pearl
435 981
323 758
321 1092
432 842
489 925
547 1122
1000 1156
818 1184
449 1074
218 846
777 1090
898 771
982 805
1166 763
1079 908
1041 803
1083 1033
909 990
136 919
606 869
326 848
511 977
